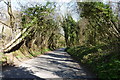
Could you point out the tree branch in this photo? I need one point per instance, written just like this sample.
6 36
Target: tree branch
6 3
5 24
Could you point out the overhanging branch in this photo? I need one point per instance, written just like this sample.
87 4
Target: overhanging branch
5 24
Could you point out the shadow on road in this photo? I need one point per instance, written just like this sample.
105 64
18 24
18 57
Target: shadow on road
65 67
55 63
18 73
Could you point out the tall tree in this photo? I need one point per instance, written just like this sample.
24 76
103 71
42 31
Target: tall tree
70 30
45 26
102 23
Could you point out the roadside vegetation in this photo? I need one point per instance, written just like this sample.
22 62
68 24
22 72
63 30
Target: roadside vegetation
99 46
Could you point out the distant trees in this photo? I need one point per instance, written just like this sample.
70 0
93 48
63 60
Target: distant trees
70 30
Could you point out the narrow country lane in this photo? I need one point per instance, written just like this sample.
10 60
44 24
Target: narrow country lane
52 65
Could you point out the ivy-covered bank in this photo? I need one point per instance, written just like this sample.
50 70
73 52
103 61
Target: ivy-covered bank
104 61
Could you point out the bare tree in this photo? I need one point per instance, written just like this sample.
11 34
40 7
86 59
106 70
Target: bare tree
10 13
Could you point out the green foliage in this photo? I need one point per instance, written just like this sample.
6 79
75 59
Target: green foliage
98 58
1 53
44 26
102 27
36 53
69 27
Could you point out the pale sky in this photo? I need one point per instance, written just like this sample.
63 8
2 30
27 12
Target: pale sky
63 2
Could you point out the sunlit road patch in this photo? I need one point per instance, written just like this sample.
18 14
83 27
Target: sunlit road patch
54 64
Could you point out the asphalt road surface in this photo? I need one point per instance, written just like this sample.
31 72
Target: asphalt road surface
57 65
